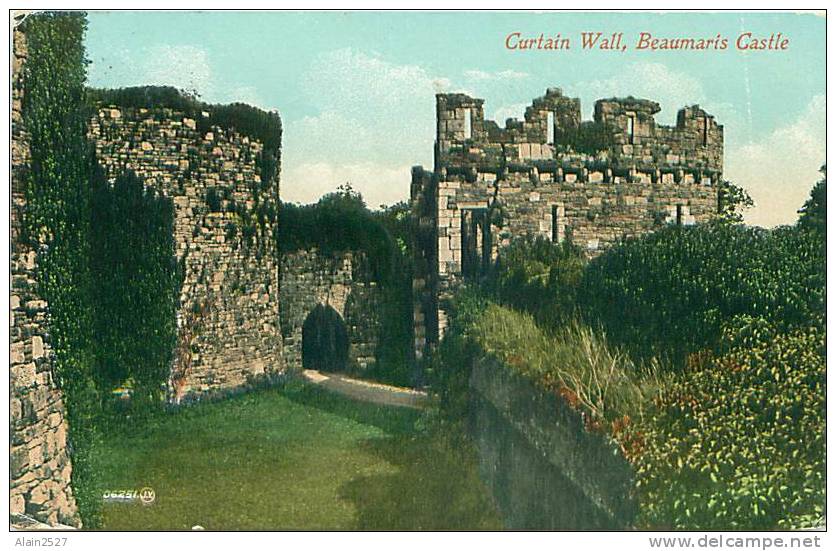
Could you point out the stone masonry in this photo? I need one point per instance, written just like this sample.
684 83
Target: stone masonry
39 461
228 320
308 279
492 184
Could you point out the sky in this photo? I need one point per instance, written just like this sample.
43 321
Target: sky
356 90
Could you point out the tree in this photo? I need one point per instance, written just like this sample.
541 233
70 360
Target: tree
733 200
813 215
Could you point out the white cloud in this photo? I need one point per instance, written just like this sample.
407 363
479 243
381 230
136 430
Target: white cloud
656 81
374 120
379 183
508 74
779 170
185 67
514 111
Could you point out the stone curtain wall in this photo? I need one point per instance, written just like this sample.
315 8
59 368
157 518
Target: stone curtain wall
309 279
546 472
39 461
228 334
491 184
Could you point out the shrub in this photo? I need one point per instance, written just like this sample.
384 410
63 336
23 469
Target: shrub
540 277
813 215
740 443
668 293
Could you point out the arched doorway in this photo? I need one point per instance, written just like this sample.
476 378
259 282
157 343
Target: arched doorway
324 340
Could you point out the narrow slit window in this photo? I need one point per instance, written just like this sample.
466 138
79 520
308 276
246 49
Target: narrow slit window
680 213
550 128
631 127
468 124
555 224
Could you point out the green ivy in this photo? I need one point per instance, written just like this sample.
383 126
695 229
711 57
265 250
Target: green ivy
57 223
138 282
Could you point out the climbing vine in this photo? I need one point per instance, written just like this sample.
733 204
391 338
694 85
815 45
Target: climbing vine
138 282
56 222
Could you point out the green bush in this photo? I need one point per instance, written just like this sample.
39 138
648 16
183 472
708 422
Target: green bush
540 277
813 214
668 293
740 443
448 369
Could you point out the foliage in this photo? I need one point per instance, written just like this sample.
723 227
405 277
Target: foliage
448 369
57 223
538 276
813 215
394 363
740 442
576 363
136 275
337 223
733 200
668 293
263 126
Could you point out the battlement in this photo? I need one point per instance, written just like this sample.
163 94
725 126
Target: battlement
623 142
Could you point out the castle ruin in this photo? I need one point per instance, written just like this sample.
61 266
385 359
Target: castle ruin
551 175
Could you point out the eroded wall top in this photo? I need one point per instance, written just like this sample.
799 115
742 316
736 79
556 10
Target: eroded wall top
622 136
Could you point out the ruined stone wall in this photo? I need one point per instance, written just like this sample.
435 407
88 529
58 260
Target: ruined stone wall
228 326
39 460
308 279
492 184
545 470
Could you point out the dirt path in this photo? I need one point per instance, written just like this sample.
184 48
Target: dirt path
367 391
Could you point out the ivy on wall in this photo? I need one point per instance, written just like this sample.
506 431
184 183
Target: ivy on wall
138 281
56 222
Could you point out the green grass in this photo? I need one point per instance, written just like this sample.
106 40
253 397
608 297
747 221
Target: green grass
575 361
296 458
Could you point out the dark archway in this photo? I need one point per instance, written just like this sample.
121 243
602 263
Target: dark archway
324 340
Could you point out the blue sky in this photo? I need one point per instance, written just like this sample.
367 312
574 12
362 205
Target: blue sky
356 89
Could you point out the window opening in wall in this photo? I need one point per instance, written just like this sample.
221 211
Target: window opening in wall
475 242
680 211
631 126
555 224
550 128
468 124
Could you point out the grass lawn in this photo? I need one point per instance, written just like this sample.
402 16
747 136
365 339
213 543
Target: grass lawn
295 458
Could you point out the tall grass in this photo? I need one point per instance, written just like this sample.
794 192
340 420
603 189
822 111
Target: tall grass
575 361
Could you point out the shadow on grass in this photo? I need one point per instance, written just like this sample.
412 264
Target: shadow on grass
434 485
390 419
433 488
